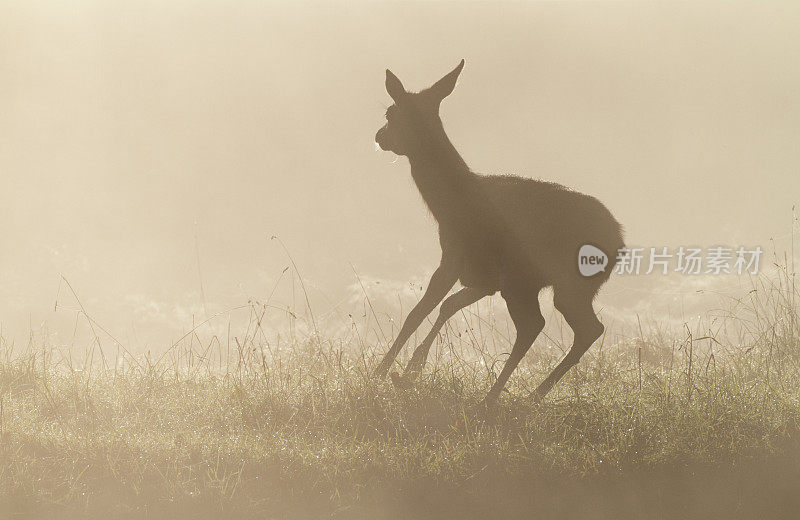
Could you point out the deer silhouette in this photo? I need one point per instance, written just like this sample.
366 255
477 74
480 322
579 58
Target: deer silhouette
497 233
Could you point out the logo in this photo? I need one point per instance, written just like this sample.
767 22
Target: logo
591 260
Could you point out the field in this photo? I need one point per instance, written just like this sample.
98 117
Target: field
669 424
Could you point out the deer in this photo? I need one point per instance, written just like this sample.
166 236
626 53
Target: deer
498 233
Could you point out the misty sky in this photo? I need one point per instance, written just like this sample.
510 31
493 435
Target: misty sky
149 146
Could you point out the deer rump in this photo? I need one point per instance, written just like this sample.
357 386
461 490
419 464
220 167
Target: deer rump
524 233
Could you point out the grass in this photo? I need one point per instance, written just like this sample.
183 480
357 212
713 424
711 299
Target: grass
663 425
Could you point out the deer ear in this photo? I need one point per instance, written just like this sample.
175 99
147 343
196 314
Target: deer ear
394 86
442 88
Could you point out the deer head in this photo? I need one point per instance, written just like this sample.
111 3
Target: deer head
413 120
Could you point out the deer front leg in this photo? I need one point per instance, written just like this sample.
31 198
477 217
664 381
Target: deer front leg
443 279
454 303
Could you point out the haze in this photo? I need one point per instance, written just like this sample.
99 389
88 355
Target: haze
150 150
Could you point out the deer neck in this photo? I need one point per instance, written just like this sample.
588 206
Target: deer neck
441 175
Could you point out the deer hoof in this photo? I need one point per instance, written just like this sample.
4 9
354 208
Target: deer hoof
487 410
400 382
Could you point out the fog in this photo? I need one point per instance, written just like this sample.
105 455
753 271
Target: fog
151 150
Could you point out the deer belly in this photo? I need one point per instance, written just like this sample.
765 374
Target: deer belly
482 272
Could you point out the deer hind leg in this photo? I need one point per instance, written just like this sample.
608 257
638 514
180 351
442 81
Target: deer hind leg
529 322
454 303
441 282
576 306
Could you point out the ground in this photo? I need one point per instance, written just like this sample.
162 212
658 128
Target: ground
310 434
